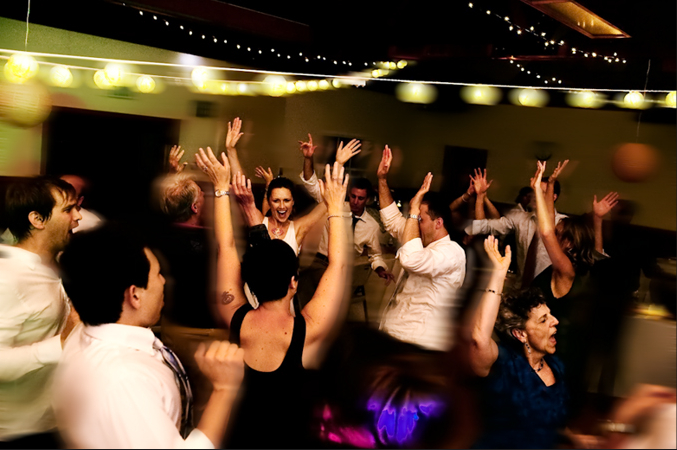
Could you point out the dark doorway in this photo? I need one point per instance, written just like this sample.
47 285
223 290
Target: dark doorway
120 154
458 165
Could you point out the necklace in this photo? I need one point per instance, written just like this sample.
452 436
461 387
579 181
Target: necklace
278 232
539 367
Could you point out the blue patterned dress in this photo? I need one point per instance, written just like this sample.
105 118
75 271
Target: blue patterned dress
518 409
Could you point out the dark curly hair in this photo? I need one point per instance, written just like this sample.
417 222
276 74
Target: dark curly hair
280 182
514 313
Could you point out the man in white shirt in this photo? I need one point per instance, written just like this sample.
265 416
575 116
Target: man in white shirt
89 218
366 230
35 315
524 225
118 386
421 308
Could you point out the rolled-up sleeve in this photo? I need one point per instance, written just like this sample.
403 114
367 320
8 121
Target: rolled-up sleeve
312 186
502 226
393 220
374 252
428 261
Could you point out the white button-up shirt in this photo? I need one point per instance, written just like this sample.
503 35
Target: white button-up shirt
366 234
524 225
33 309
422 307
113 390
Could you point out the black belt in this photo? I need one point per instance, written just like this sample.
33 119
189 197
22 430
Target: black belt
319 255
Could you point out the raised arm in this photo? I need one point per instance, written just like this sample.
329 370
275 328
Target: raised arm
599 210
465 198
232 137
411 229
242 189
343 154
481 186
228 272
175 155
326 307
385 198
483 349
550 191
563 269
267 176
308 150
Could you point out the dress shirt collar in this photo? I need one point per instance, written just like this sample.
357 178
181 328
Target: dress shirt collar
32 260
137 338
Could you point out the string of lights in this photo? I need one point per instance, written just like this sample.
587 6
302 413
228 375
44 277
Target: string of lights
251 49
548 42
21 66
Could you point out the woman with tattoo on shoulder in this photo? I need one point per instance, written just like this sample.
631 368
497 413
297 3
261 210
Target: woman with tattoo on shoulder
276 406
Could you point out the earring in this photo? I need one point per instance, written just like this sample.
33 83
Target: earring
528 348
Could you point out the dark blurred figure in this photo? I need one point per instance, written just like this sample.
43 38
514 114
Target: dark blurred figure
183 243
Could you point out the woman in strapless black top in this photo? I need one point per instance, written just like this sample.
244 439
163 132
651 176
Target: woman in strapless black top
278 346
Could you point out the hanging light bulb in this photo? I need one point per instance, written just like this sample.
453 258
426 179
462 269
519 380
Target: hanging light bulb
324 84
113 73
275 85
670 99
312 85
300 86
481 95
401 64
336 83
101 80
199 76
291 87
145 84
535 98
61 76
416 93
585 99
20 68
633 99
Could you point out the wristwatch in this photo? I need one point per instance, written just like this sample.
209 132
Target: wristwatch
220 193
414 216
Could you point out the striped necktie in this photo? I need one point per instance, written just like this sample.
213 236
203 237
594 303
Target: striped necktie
173 362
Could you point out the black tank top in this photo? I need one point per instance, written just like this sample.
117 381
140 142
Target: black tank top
276 407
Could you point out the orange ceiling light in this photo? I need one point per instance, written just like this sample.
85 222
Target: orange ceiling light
576 16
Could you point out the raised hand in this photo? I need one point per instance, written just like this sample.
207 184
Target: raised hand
307 148
222 363
343 154
555 173
536 180
233 134
415 203
267 176
602 207
384 165
471 188
333 188
499 263
480 182
218 172
242 189
175 155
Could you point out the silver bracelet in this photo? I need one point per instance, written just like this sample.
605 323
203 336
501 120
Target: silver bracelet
414 216
221 192
340 215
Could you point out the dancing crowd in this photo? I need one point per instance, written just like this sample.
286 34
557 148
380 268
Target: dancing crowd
186 337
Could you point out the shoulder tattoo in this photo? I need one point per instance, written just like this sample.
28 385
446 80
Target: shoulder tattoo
227 298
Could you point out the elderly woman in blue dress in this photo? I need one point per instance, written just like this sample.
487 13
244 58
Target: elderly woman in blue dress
523 398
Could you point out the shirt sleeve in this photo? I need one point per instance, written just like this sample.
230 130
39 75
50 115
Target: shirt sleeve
393 220
374 251
312 186
17 361
504 225
429 261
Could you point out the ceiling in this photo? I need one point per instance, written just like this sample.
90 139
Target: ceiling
455 44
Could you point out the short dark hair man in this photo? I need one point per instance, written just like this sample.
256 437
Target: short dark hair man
366 231
420 310
35 314
118 386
